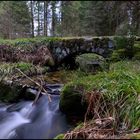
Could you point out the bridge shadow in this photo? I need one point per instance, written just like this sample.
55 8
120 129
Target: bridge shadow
69 61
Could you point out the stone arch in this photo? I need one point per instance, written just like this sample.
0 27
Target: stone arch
63 48
69 60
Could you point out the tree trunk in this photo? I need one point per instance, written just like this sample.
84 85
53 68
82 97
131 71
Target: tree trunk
45 18
53 18
38 19
32 18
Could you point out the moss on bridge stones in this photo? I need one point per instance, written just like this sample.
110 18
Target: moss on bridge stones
29 49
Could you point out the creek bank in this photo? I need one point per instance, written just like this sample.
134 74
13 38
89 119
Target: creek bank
71 101
111 94
11 91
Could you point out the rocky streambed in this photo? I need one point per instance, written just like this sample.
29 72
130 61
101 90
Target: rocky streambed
21 119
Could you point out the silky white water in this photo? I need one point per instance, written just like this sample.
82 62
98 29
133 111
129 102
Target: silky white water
26 121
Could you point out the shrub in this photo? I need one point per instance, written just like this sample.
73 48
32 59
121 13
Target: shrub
117 55
125 43
137 56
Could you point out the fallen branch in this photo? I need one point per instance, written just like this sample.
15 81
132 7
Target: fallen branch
40 86
37 95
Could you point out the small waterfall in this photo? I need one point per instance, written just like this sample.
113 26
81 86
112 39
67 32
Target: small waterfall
10 121
26 121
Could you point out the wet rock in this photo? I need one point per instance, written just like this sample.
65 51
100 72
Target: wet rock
13 92
28 94
9 91
72 101
53 88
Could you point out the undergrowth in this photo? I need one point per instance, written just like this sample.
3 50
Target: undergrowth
113 94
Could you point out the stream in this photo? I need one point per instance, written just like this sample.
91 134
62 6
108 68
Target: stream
42 120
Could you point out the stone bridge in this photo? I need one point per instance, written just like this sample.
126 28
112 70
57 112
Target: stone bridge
65 50
62 50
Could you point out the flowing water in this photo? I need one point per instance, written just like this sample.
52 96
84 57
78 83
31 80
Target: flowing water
40 121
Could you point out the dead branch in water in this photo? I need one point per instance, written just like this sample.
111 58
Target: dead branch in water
38 93
39 85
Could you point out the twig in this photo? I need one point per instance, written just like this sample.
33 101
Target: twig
37 95
40 86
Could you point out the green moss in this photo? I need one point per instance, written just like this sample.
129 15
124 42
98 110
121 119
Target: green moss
26 42
24 66
135 136
137 47
80 125
137 56
9 92
71 100
117 55
91 62
8 70
91 56
132 136
123 42
124 48
59 137
136 50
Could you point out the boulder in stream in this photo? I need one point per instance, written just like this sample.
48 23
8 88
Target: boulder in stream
72 102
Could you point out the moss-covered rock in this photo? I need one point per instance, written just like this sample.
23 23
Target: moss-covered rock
72 101
91 62
8 91
12 92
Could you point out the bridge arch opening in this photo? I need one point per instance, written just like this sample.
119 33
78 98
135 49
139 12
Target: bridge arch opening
69 62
